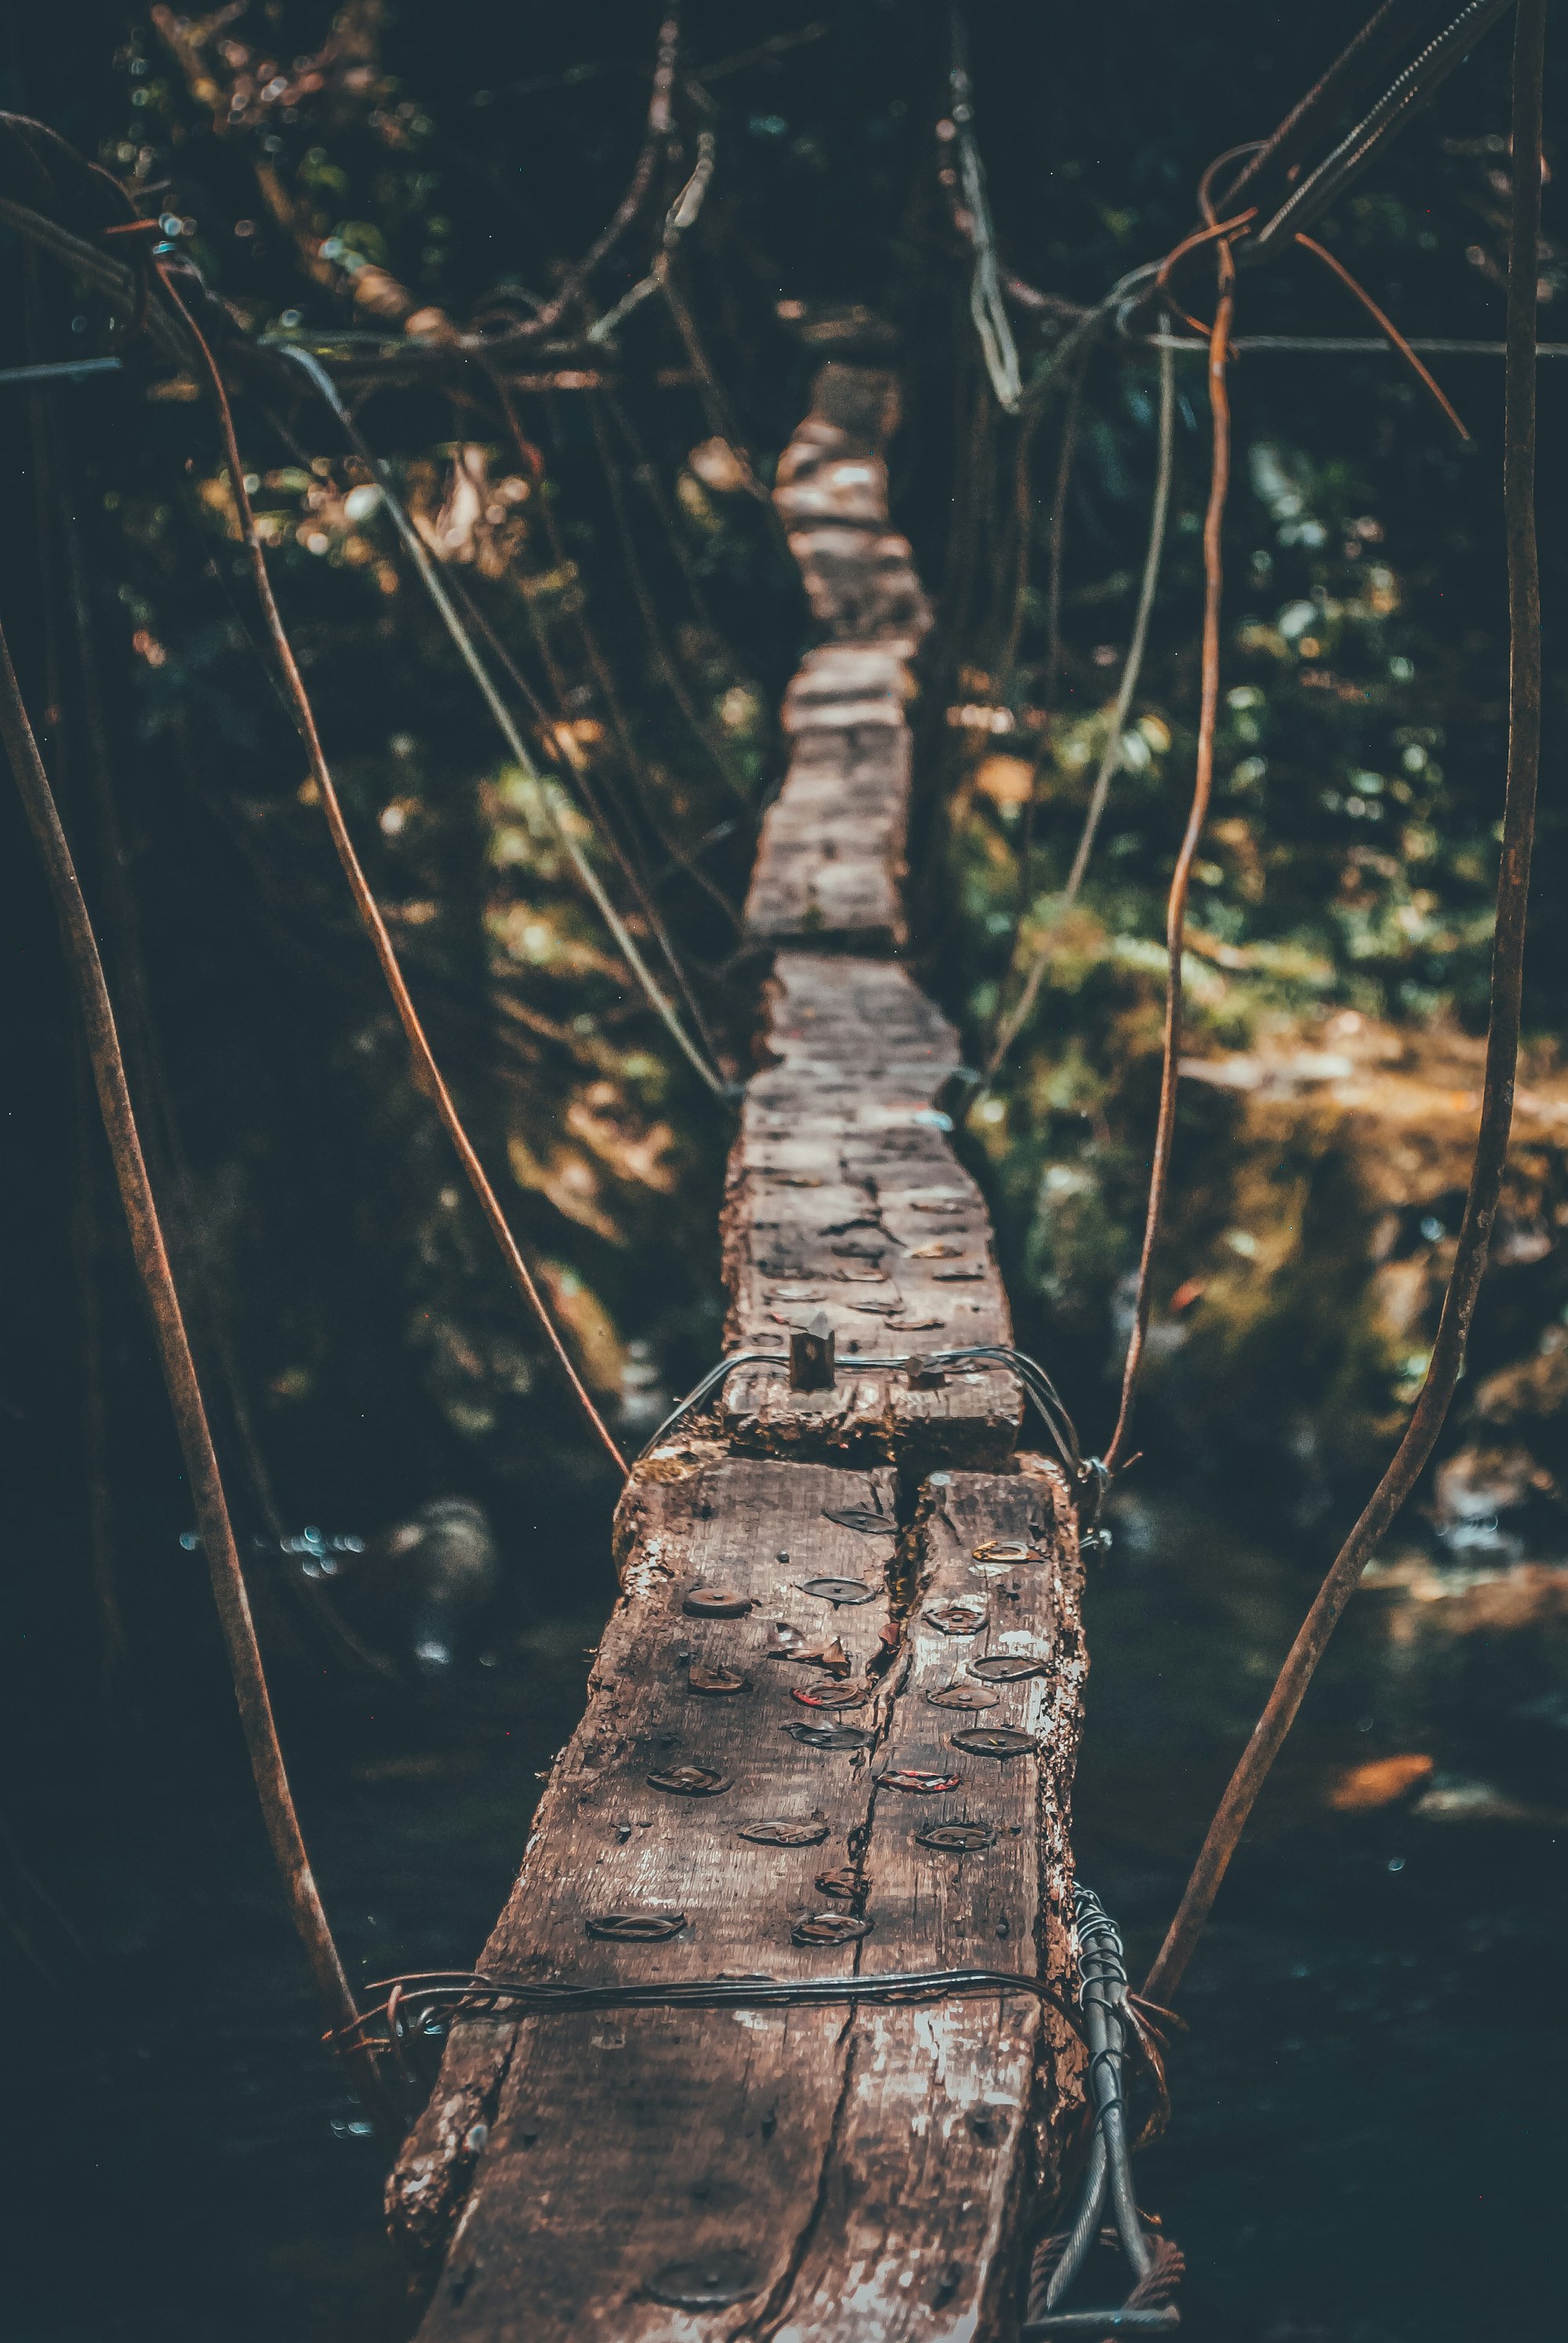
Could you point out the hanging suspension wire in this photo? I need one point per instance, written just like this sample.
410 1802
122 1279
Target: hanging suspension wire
205 1482
359 886
1203 788
1405 97
986 308
1502 1038
548 798
1012 1025
1321 252
1367 54
683 214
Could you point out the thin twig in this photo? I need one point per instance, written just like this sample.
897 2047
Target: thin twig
991 323
604 674
1502 1039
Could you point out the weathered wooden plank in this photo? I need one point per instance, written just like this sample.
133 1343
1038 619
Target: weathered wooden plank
608 2148
840 2173
952 2115
830 857
845 1197
857 2174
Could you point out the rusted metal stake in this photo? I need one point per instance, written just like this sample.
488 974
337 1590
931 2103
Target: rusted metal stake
811 1359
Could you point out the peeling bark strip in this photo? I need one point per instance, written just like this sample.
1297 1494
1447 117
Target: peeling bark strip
854 2173
831 860
844 1196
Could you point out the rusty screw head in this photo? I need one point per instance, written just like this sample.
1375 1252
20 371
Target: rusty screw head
957 1838
994 1740
831 1693
830 1736
829 1928
705 1602
1006 1668
957 1618
636 1927
784 1834
691 1781
905 1777
962 1695
718 1682
837 1591
708 2282
1010 1550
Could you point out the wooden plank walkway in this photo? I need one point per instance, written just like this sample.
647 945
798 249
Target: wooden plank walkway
845 1199
832 1722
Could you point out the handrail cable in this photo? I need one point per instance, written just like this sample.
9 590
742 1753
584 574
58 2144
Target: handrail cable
1013 1024
1203 788
430 578
986 308
1404 98
205 1481
1481 1203
359 886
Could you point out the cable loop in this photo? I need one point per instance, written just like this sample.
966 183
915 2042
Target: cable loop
1155 2264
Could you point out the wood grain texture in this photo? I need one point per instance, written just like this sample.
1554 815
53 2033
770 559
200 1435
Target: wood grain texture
953 2115
604 2134
830 857
871 2167
844 1196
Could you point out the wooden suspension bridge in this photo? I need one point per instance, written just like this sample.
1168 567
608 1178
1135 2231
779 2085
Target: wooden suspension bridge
716 2076
900 1804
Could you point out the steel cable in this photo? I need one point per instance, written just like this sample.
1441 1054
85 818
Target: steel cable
1018 1017
1447 1359
202 1473
1203 788
430 578
1398 105
359 886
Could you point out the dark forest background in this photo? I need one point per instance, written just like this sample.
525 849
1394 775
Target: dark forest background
359 178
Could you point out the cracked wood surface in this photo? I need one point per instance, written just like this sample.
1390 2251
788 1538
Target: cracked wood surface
830 857
866 2168
844 1196
953 2115
600 2128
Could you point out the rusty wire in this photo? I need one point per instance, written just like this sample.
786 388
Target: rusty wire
1310 244
506 723
1203 788
1010 1026
1502 1039
369 912
205 1480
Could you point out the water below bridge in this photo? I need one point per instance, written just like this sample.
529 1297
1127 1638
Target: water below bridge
1366 2107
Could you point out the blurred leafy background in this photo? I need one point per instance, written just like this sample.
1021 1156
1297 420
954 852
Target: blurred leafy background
365 178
